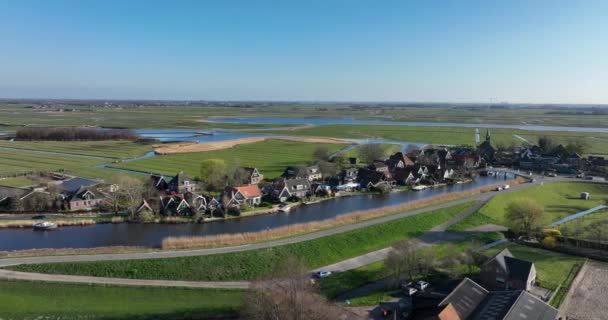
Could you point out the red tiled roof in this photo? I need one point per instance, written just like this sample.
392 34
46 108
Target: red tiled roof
251 191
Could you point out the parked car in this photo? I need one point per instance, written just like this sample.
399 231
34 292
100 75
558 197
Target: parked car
506 186
39 217
552 174
498 188
421 285
322 273
409 291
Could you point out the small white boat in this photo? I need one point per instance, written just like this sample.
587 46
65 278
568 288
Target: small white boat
43 226
419 188
284 208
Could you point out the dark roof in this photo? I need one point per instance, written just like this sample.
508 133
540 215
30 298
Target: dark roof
465 298
518 269
291 184
496 305
529 307
72 185
500 258
78 194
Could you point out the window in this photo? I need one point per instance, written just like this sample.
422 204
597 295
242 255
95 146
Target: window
186 182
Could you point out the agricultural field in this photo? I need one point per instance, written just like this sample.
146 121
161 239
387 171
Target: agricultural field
44 300
389 149
252 264
104 149
559 199
16 182
164 115
598 142
271 157
552 267
15 162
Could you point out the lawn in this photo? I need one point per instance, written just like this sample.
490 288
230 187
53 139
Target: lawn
551 267
38 300
16 182
559 199
254 263
107 149
389 149
271 157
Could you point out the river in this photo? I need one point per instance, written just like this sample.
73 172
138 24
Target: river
347 120
151 235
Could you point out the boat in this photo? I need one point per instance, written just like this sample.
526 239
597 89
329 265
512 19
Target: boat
43 226
284 208
419 188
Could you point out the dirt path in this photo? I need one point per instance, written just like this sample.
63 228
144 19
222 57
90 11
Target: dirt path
187 147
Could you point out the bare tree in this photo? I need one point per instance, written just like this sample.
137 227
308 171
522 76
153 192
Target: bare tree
126 194
321 154
407 259
287 294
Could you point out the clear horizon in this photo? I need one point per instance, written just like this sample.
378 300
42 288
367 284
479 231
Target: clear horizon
536 52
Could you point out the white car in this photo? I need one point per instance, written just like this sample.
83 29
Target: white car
409 291
322 273
421 285
506 186
498 188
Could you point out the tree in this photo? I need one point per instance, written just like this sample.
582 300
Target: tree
524 216
36 202
213 173
407 259
321 154
546 144
328 169
287 294
131 191
370 152
579 146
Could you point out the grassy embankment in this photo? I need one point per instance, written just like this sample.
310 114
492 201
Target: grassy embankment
252 264
271 157
559 199
591 226
450 135
38 300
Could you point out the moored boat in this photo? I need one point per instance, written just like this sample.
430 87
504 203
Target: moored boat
43 226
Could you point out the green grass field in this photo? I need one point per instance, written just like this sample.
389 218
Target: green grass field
592 226
252 264
559 199
449 135
106 149
43 300
14 161
389 149
551 267
16 182
271 157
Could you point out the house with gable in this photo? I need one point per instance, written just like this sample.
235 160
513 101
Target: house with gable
249 195
399 160
471 301
284 189
175 205
180 183
253 176
505 272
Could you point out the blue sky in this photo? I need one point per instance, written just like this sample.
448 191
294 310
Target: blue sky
458 51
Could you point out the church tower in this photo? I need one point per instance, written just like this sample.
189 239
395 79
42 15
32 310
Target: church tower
488 135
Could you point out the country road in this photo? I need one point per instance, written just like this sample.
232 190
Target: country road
435 236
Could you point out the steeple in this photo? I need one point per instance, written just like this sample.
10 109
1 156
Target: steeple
488 135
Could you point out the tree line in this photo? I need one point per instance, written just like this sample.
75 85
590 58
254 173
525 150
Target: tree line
74 134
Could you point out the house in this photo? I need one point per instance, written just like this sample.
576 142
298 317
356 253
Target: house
311 173
80 194
175 204
405 176
7 194
252 175
85 198
249 195
159 182
181 184
470 300
399 161
371 179
144 207
284 189
505 272
381 167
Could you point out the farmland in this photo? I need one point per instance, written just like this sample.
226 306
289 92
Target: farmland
37 300
592 226
18 162
449 135
251 264
559 199
105 149
270 157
